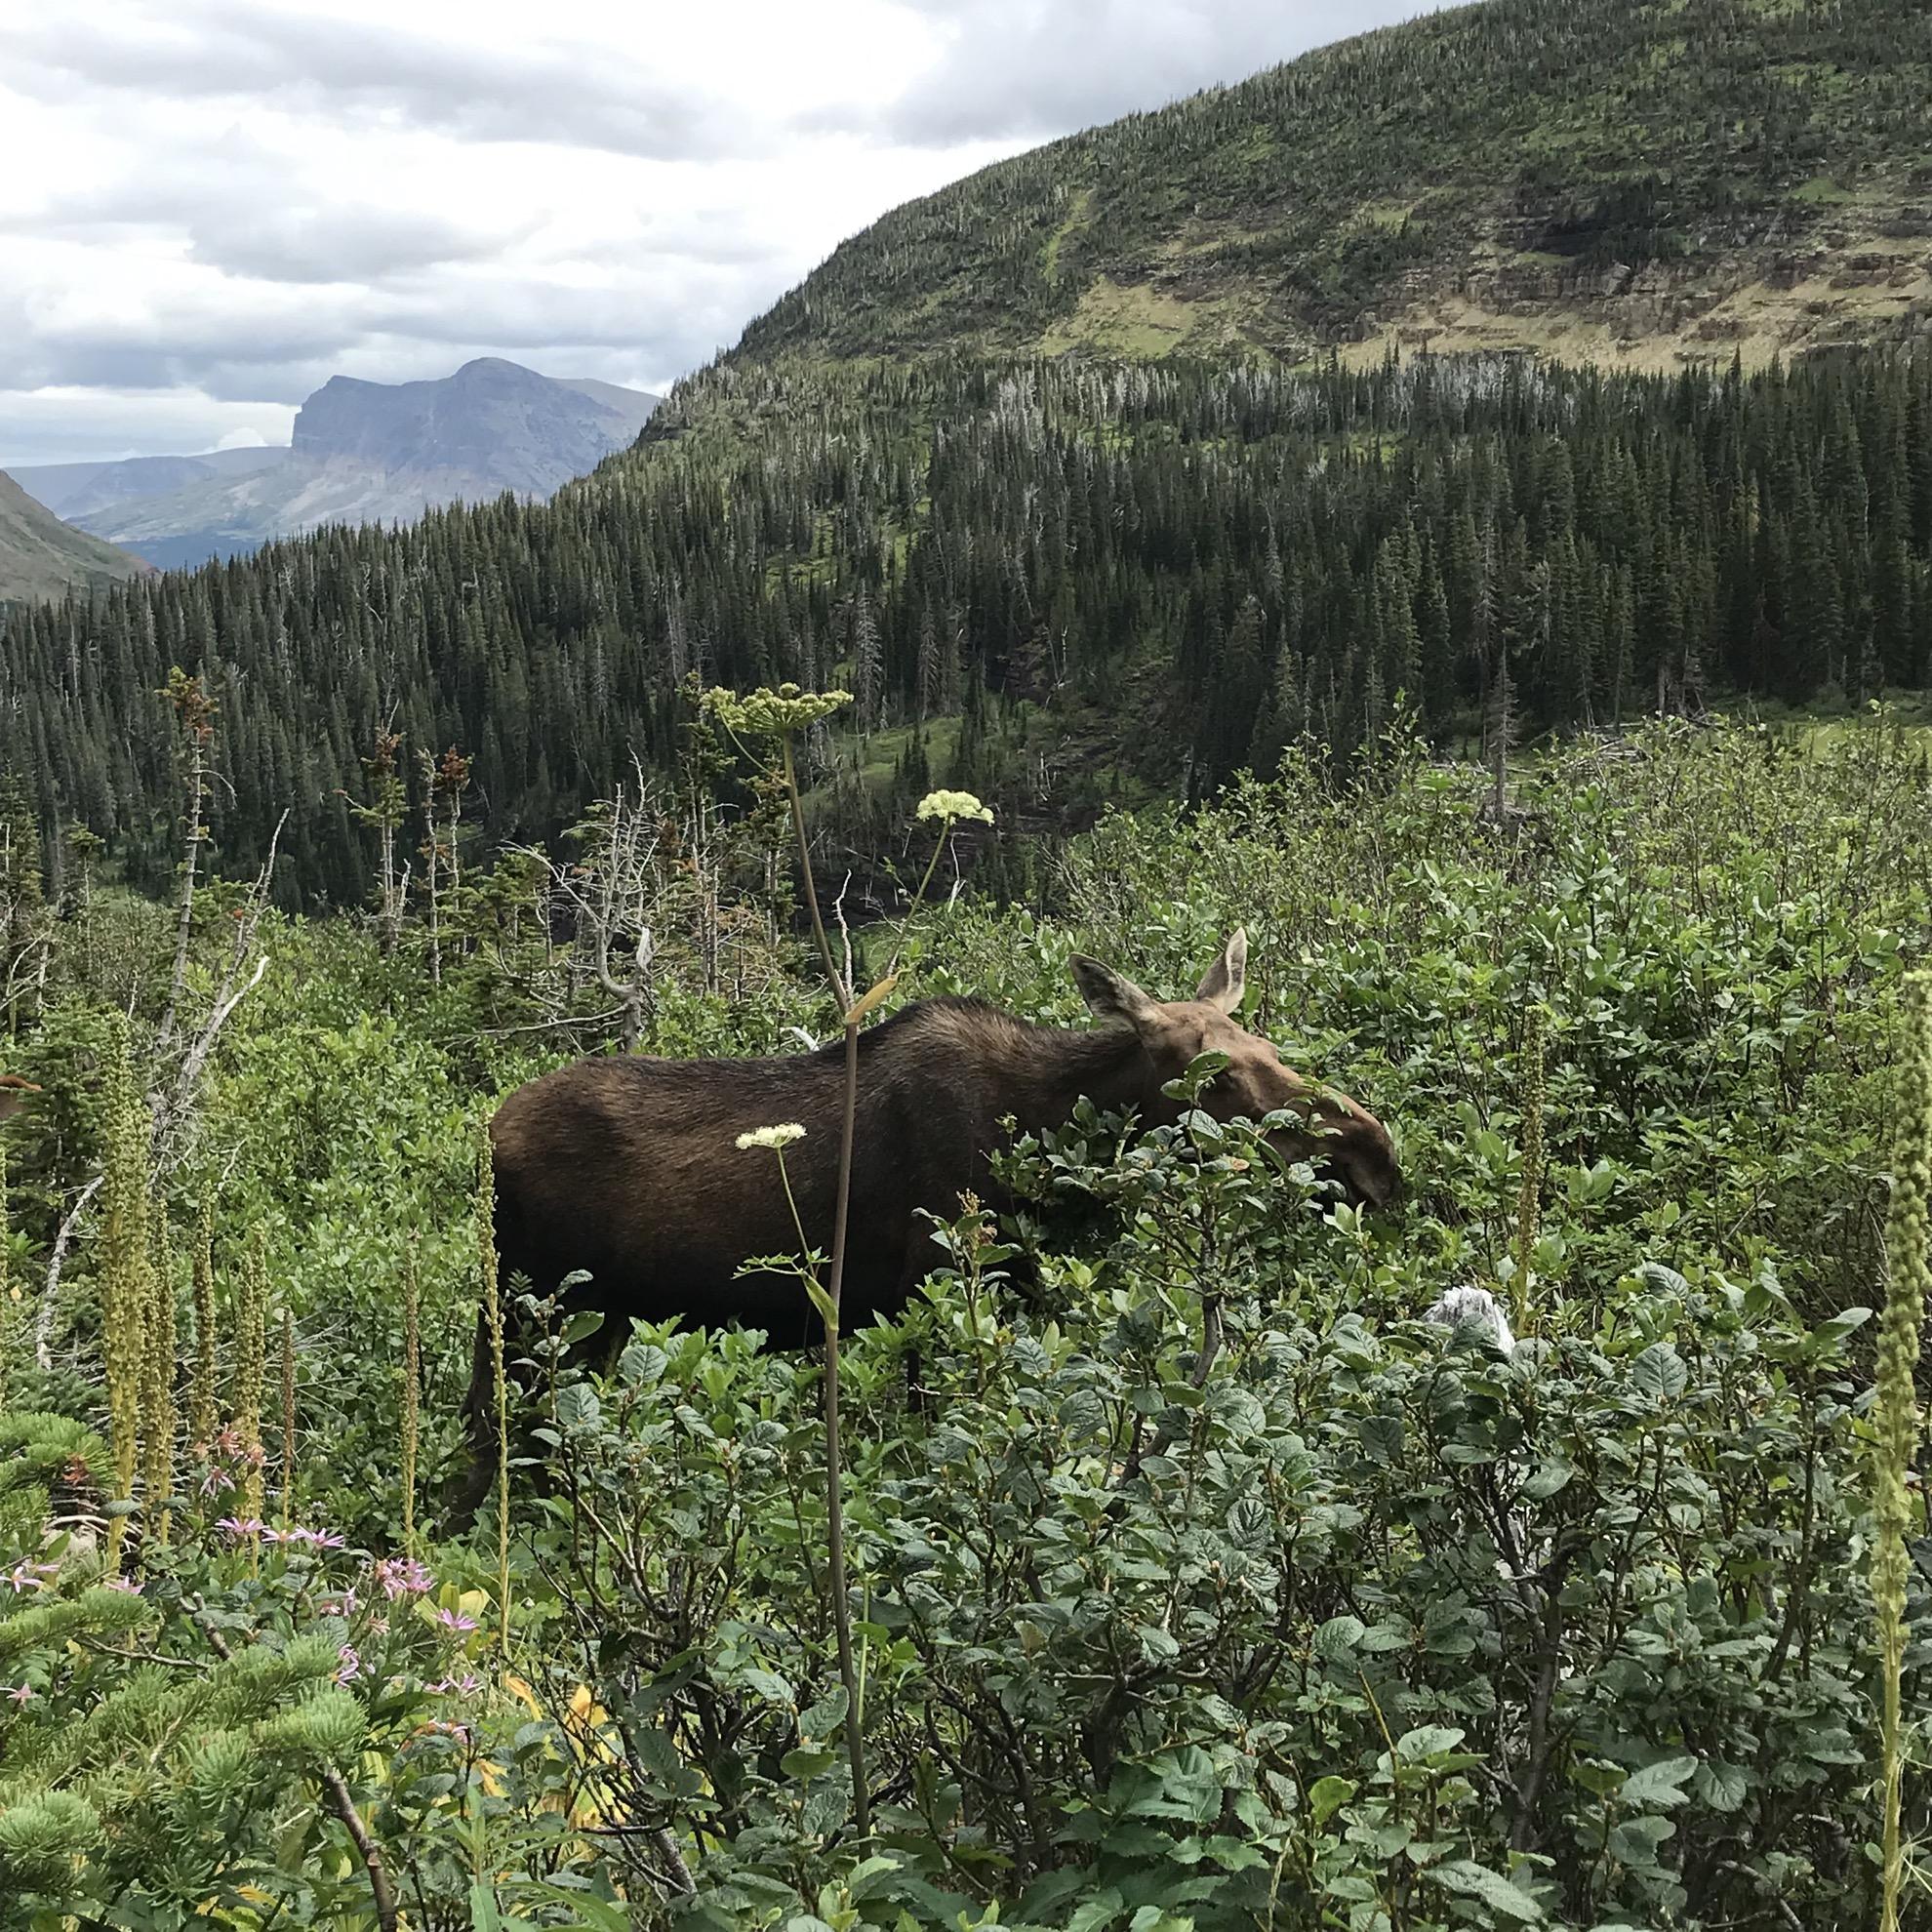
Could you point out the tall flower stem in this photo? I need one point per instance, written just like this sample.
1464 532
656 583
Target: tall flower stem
841 1600
1908 1235
840 991
782 714
493 1314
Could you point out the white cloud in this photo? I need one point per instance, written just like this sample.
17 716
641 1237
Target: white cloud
207 207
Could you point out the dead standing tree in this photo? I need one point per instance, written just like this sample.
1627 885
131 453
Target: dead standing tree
384 809
445 779
618 890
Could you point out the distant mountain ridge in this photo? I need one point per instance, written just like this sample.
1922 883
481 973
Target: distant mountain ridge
362 453
40 556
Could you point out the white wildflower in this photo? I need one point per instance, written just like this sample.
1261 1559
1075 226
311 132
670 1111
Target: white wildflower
1474 1312
774 1138
954 805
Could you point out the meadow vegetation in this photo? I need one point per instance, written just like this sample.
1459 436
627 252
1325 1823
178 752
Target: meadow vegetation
1349 1619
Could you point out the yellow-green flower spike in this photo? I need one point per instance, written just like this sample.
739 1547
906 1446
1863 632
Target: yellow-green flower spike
1896 1412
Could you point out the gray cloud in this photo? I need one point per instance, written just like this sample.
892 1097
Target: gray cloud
230 267
222 50
1046 67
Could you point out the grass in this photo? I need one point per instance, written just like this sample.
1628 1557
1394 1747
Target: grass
1138 323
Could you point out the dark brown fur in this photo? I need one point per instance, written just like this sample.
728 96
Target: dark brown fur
627 1168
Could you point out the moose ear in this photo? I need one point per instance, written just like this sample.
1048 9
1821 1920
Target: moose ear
1226 980
1109 996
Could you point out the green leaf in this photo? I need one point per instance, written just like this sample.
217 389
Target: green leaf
1157 1645
1659 1374
581 1325
1427 1740
1658 1784
1338 1637
1476 1881
1102 1910
1326 1796
1546 1479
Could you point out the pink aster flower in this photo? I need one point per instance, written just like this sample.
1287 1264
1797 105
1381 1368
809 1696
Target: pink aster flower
404 1576
347 1664
454 1622
309 1539
125 1585
29 1576
238 1527
21 1693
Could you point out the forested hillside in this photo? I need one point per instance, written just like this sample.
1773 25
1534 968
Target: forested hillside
1594 176
1042 579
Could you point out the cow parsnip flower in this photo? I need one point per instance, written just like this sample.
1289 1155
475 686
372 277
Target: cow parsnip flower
776 1138
769 713
950 805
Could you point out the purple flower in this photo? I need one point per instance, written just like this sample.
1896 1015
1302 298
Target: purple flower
347 1664
29 1576
454 1622
404 1576
309 1538
238 1527
21 1693
343 1605
125 1585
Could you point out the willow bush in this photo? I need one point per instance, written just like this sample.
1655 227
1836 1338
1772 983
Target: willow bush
1348 1621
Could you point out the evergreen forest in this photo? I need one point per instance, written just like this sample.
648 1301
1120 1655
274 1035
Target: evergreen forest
1058 584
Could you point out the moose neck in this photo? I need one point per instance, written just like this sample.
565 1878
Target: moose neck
1048 1069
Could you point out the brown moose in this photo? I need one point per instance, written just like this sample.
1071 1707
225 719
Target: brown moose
626 1167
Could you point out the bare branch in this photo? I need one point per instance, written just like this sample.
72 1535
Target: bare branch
43 1324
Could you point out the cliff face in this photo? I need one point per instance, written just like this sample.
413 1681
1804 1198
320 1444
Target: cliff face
491 426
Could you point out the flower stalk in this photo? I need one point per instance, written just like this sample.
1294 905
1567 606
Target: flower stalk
125 1292
412 1394
201 1387
1529 1197
1896 1411
493 1315
782 714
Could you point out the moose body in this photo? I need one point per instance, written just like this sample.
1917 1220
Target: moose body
627 1168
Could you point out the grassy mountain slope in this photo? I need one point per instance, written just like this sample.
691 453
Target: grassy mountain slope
1632 183
40 556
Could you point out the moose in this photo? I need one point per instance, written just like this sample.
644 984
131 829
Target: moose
625 1168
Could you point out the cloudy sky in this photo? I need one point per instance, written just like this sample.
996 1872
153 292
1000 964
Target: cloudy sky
207 207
